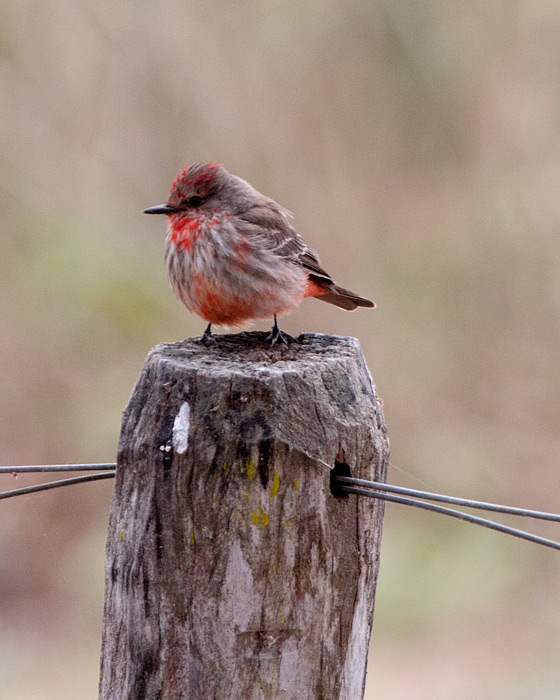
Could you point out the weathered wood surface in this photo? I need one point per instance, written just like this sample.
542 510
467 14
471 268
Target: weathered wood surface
232 572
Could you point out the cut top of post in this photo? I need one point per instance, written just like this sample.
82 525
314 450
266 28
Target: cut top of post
320 374
251 352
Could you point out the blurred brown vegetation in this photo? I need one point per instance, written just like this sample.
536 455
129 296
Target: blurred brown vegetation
418 145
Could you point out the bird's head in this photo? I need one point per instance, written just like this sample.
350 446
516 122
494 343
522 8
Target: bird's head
207 188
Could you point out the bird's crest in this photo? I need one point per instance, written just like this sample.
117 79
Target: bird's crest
195 178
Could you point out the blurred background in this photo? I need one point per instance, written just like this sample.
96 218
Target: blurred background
418 145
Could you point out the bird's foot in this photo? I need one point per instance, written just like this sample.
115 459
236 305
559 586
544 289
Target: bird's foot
278 336
207 338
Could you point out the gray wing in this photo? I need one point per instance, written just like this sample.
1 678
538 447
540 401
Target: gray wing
267 226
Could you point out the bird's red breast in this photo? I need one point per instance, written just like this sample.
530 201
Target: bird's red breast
184 232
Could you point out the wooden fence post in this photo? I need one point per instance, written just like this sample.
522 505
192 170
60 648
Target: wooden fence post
232 572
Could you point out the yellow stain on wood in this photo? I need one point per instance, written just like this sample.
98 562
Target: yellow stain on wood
296 484
192 538
275 485
282 620
259 518
225 465
250 468
121 533
247 492
274 566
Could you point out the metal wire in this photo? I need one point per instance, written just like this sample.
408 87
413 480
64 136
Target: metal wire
475 520
360 487
58 468
378 485
56 484
42 468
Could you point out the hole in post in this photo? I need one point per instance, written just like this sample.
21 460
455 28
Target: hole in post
340 469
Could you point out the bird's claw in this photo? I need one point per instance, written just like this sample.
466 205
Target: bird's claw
207 338
278 336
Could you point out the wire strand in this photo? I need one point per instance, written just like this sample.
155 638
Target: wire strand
56 484
57 468
415 493
360 487
467 517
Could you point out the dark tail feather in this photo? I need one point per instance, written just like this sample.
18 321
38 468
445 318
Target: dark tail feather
345 299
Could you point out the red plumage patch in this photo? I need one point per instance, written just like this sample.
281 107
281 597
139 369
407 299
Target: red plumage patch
185 232
312 289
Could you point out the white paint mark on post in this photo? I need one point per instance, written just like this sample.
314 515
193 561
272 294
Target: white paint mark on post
181 429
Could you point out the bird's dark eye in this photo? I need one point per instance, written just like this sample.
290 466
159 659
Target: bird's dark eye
195 201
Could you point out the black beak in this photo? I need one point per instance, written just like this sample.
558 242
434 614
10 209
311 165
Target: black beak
160 209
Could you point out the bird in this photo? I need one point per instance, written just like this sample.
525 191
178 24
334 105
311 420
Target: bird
232 255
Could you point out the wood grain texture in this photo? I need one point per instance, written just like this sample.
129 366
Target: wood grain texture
232 572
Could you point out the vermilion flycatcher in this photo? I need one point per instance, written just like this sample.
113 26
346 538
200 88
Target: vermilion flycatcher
232 255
